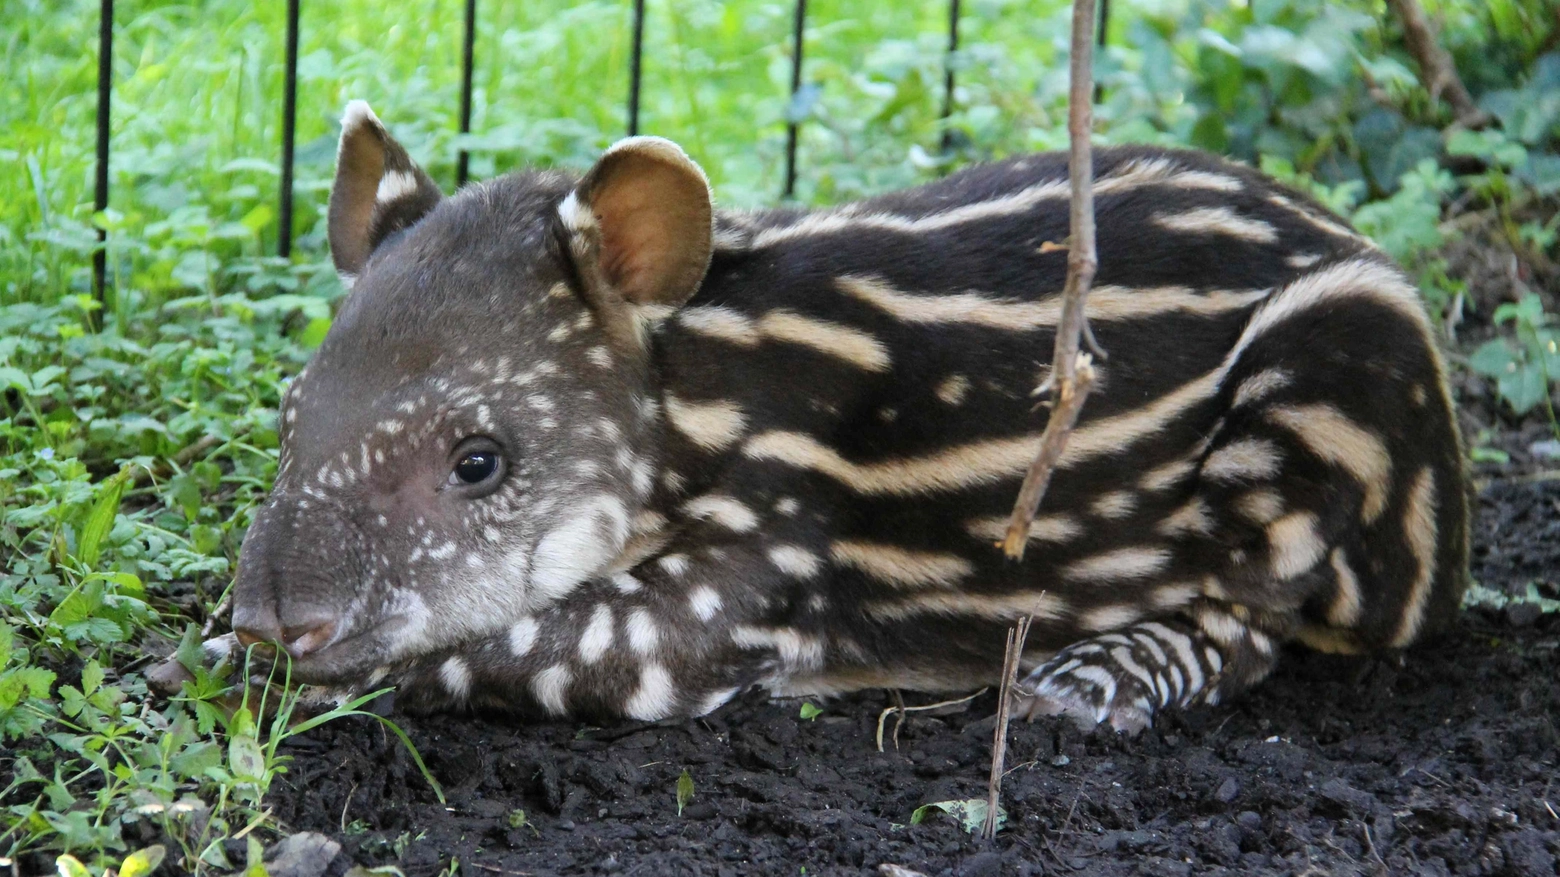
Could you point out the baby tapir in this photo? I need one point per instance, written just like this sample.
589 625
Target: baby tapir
587 446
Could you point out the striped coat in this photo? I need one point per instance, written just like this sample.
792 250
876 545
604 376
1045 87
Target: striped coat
778 447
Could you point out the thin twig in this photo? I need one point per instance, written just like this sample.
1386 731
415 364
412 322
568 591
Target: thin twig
1010 663
1072 374
217 613
902 710
1435 64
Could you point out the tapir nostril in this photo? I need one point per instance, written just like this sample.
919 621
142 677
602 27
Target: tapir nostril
248 637
309 637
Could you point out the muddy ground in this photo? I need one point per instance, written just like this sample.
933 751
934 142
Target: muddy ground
1445 763
1448 763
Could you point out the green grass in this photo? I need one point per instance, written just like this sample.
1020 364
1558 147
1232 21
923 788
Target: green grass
135 442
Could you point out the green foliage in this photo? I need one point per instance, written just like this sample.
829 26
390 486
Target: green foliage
684 790
137 437
810 711
1524 367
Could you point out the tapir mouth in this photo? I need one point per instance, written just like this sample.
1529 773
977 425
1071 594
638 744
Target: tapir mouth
344 662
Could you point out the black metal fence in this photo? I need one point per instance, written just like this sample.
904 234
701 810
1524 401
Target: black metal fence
462 162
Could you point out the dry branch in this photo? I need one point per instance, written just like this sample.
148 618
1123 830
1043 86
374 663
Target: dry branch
1435 64
1010 665
1072 374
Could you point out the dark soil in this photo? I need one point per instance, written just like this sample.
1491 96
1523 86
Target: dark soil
1445 763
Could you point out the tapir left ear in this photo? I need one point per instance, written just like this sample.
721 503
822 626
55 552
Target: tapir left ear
640 226
378 191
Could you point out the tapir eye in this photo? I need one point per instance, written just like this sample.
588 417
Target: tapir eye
476 468
478 464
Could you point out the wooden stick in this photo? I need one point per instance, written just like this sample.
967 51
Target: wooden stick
1010 664
1072 374
1435 64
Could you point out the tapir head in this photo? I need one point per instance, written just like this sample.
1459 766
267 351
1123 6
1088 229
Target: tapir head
476 434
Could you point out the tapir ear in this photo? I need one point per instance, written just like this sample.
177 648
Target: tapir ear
640 225
378 190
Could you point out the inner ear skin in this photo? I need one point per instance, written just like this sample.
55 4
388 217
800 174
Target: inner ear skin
652 207
360 165
360 214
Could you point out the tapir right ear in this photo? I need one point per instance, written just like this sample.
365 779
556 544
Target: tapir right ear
640 225
378 190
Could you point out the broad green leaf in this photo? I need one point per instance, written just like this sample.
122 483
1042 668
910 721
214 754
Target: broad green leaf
245 758
142 862
1523 388
1493 358
100 520
196 759
91 677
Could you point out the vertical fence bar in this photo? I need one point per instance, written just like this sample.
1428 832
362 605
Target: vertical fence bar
1101 39
953 46
463 158
100 192
635 69
797 28
289 129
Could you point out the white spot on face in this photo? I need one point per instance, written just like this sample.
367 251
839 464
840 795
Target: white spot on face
599 356
456 677
674 564
704 602
655 697
625 583
522 636
550 687
579 547
787 506
598 635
